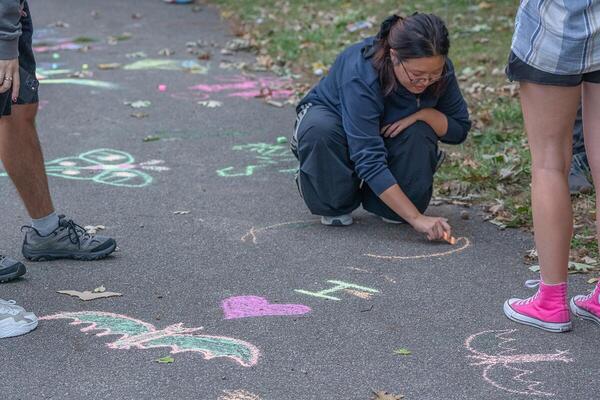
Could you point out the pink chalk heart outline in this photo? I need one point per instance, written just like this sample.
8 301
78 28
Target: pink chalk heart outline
255 306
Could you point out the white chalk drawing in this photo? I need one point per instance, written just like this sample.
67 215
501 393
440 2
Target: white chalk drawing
506 369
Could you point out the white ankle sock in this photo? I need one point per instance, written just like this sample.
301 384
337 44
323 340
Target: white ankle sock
46 225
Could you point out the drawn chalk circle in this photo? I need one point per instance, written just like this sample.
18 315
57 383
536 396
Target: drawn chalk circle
462 243
252 233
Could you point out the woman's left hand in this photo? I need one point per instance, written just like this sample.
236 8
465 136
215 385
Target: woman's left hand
393 130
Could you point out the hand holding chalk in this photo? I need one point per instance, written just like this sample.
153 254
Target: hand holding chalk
434 227
449 238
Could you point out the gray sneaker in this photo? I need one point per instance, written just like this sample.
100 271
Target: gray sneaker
14 320
69 240
580 175
10 269
339 220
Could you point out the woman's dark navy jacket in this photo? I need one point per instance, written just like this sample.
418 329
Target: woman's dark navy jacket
352 90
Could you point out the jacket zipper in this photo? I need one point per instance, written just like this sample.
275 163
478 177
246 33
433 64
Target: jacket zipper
418 101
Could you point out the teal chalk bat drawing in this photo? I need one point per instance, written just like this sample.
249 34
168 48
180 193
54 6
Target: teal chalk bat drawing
136 334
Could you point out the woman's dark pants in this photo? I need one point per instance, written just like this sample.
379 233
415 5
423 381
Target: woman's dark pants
328 182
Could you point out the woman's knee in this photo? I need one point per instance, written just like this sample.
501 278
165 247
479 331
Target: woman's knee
325 131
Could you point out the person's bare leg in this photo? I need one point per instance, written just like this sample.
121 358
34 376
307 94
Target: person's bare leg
591 132
21 154
549 113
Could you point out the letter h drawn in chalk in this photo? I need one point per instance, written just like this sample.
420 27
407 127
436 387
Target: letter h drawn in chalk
339 286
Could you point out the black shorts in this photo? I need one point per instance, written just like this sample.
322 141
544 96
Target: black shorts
26 61
518 70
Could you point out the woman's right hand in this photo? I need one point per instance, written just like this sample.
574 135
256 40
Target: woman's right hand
434 227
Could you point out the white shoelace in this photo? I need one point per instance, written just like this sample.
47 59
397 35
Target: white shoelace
531 284
9 307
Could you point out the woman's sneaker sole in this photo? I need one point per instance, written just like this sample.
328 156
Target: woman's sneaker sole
19 330
581 313
524 319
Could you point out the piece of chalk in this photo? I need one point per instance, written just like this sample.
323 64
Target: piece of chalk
449 239
162 88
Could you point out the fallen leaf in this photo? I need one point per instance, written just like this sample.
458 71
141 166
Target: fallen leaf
100 289
382 395
580 268
403 352
359 25
151 138
593 280
210 103
274 103
59 24
238 44
166 52
87 295
165 360
484 5
139 114
109 66
139 103
92 229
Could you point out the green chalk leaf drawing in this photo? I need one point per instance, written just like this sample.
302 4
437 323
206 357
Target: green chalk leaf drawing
165 360
266 154
106 166
137 334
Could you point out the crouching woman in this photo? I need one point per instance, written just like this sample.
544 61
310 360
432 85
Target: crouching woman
368 132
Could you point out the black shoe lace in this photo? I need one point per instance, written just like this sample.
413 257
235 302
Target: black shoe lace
75 232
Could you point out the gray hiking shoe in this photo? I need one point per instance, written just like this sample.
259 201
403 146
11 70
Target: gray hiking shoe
10 269
14 320
69 240
340 220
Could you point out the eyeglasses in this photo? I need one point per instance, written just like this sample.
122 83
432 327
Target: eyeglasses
426 81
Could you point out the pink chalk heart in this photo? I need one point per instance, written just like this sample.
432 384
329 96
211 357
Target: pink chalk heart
254 306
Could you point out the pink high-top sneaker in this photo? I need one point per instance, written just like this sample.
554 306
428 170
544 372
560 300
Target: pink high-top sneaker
547 309
587 307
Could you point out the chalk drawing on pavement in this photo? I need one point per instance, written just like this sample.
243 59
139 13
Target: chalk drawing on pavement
160 64
278 156
506 369
246 87
255 306
137 334
55 74
340 286
252 234
462 244
106 166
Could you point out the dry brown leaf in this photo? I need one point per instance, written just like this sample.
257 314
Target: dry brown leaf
87 295
382 395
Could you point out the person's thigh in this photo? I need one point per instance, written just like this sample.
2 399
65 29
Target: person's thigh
549 113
